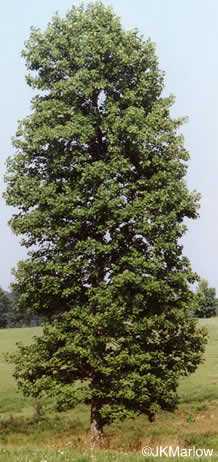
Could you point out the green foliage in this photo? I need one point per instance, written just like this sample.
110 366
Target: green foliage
98 183
4 308
205 301
12 317
198 392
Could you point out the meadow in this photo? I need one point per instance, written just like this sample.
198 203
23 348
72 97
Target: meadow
33 432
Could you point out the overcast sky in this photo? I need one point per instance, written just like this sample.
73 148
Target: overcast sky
186 36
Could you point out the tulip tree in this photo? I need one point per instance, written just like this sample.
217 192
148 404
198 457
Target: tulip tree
98 183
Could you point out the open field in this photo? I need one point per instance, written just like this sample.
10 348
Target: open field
10 401
64 436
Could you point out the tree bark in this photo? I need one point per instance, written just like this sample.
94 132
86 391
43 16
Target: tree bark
96 428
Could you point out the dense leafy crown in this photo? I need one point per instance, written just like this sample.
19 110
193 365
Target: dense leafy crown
205 303
98 181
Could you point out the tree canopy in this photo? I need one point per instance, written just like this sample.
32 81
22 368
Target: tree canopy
206 303
9 317
98 185
4 308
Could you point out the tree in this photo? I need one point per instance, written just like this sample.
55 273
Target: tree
19 318
10 317
206 301
4 308
98 181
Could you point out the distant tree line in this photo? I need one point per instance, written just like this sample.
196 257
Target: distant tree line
205 306
9 317
205 301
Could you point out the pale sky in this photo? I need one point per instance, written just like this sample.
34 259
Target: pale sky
186 36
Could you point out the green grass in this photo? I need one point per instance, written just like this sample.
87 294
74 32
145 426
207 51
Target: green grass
195 423
203 384
68 456
10 400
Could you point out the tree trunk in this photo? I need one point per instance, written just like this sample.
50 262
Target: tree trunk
96 428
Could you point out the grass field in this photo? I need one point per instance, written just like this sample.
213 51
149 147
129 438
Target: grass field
27 456
64 436
10 401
